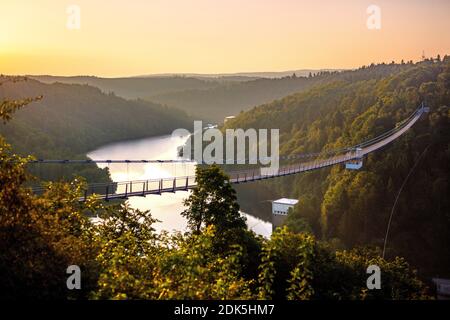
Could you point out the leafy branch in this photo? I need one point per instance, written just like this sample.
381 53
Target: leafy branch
8 107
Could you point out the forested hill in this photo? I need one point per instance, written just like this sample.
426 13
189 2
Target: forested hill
72 119
353 207
231 98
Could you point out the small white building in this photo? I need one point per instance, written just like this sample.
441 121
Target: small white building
281 206
280 210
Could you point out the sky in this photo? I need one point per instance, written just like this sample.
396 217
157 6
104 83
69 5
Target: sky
137 37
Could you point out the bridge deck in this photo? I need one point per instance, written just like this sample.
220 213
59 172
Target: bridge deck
123 190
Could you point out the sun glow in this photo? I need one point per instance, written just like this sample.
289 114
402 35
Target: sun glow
138 37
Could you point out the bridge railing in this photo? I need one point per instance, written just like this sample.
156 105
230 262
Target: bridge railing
125 189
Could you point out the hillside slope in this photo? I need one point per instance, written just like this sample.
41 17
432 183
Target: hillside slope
353 207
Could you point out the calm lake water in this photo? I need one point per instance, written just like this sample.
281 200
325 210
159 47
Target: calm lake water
168 206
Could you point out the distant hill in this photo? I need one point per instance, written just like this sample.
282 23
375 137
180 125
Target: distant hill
134 87
215 103
248 75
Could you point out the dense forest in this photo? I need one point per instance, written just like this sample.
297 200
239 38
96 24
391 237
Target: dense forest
352 208
67 121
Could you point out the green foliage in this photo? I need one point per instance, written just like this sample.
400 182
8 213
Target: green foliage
285 266
174 267
295 266
8 107
398 281
39 236
213 202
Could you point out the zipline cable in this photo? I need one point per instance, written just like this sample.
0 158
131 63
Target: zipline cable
398 196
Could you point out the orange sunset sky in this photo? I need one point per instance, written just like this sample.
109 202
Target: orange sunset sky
136 37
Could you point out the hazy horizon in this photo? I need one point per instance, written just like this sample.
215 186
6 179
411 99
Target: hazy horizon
262 74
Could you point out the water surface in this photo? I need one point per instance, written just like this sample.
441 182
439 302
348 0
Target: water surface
168 206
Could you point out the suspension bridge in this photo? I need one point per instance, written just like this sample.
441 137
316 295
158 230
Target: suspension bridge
352 157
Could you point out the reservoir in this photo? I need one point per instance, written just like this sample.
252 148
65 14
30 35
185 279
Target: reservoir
167 206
